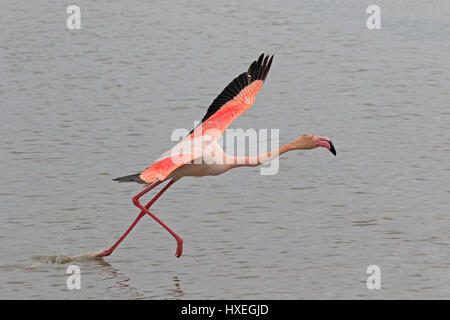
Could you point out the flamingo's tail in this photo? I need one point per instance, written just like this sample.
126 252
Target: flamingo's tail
131 178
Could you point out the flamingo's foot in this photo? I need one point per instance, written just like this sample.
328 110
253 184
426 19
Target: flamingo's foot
103 254
179 248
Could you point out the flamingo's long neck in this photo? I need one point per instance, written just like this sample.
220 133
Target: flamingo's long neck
261 158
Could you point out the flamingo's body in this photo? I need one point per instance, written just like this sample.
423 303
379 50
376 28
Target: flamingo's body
195 154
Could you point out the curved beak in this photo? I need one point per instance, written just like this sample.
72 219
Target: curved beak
332 149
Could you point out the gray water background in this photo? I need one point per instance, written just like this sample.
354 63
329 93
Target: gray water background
80 107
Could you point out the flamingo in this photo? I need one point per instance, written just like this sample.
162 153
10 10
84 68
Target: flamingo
238 96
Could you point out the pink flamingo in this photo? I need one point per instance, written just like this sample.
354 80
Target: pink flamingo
233 101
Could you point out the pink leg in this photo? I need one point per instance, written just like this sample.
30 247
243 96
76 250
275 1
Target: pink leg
141 214
136 202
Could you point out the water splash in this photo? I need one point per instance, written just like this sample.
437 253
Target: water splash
63 259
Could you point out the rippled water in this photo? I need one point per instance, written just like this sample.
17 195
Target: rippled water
84 106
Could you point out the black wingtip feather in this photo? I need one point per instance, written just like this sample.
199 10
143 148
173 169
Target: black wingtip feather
267 68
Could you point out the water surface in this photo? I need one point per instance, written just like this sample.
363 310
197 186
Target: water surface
84 106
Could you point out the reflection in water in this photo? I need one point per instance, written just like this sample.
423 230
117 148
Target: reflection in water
177 292
121 281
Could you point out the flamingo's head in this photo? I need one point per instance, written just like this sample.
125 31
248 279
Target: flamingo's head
309 141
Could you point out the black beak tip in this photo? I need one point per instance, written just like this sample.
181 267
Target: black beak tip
332 149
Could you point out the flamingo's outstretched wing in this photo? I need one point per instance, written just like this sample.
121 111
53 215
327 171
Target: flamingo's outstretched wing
234 100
